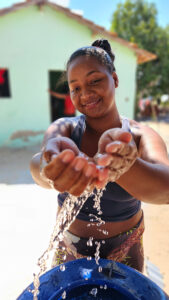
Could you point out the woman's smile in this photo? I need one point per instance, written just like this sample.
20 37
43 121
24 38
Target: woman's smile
92 104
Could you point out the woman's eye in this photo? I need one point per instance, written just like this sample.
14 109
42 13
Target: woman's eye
95 81
75 90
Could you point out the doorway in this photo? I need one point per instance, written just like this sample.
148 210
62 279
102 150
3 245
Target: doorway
57 83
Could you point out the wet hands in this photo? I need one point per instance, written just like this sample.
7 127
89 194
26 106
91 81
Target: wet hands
70 170
117 151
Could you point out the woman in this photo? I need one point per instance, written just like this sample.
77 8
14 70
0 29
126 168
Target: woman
97 149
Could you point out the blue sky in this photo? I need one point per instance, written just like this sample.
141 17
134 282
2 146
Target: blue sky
100 11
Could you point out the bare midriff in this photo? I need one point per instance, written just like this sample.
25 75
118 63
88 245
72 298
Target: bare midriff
81 228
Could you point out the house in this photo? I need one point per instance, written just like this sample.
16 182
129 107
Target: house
36 39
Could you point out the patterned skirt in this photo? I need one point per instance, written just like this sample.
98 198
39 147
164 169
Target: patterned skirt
126 247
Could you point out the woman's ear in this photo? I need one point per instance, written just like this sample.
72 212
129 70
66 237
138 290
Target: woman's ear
116 80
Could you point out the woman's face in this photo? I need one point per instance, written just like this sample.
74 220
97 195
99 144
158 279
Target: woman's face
92 87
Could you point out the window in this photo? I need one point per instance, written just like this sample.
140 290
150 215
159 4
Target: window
4 84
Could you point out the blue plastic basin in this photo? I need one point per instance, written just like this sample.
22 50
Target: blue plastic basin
115 282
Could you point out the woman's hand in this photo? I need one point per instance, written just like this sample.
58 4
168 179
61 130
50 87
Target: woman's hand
117 151
68 169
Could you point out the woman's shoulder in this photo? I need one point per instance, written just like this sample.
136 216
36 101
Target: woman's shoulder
141 128
68 123
72 121
151 145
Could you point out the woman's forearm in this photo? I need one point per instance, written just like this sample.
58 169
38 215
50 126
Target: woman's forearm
147 182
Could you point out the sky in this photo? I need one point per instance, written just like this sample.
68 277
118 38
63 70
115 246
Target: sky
100 11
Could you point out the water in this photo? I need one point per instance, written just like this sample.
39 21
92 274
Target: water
70 209
99 269
97 256
64 295
93 292
62 268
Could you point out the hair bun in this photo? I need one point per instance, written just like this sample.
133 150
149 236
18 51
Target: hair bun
105 45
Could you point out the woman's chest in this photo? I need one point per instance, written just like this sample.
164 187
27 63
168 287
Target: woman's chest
89 144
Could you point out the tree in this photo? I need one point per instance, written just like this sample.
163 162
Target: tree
136 21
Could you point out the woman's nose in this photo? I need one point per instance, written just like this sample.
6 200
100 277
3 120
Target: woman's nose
85 94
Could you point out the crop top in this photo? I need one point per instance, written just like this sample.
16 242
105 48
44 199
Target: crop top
116 204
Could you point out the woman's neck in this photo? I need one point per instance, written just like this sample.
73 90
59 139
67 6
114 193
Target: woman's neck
99 125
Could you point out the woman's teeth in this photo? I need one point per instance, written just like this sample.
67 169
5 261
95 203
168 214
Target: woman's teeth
92 103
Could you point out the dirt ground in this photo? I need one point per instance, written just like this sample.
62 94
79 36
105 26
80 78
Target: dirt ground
156 237
27 217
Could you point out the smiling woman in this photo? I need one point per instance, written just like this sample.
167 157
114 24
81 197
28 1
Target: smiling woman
101 149
88 89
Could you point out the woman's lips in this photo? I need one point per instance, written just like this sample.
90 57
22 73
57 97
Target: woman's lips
92 104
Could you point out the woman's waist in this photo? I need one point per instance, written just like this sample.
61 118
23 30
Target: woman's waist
86 229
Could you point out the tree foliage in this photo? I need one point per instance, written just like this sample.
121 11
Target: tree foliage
136 21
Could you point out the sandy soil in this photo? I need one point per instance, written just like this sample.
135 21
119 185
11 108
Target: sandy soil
27 216
156 237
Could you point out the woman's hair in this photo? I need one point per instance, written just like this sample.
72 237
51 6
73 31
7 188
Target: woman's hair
100 49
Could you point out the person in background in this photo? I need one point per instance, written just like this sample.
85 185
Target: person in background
69 109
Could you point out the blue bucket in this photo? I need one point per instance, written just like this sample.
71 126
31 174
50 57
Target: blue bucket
81 280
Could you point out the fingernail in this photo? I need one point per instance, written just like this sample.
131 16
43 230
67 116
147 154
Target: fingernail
79 165
89 171
67 158
115 148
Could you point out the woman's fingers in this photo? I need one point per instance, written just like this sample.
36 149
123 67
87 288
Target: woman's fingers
85 177
102 178
70 173
103 160
58 145
70 176
58 164
119 148
125 137
112 135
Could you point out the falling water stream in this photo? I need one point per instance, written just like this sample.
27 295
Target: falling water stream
70 209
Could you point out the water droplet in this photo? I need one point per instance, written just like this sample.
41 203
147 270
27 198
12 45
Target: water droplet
100 269
89 242
94 292
62 268
89 258
64 295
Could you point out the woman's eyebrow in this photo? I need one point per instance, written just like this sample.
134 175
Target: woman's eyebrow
89 73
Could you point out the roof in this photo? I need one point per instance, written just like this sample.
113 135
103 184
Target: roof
142 55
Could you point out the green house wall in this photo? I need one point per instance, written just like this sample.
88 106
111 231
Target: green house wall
33 42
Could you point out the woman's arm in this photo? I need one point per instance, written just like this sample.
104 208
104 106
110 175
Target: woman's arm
57 95
59 128
148 178
66 168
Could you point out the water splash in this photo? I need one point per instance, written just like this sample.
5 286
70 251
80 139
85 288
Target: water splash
70 209
94 292
64 295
